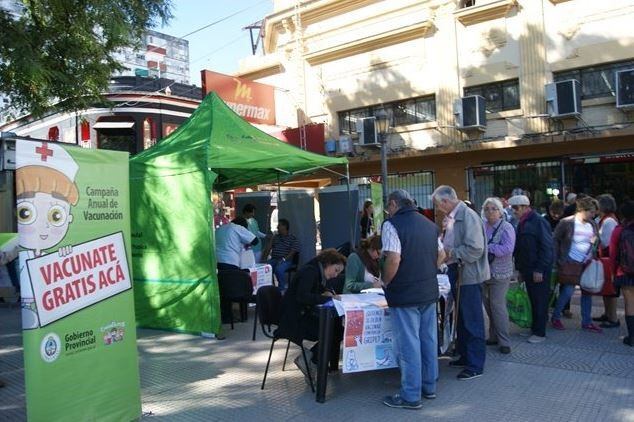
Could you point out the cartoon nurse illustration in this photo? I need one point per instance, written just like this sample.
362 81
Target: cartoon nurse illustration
45 191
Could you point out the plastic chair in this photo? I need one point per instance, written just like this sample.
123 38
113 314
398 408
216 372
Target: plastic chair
269 304
235 287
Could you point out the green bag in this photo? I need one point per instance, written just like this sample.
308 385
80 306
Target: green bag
519 306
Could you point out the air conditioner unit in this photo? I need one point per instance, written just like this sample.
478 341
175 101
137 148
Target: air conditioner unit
366 128
470 112
625 88
563 98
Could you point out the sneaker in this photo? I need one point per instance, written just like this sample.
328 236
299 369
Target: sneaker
557 325
526 333
628 341
610 324
505 350
467 374
397 402
602 318
429 396
301 365
536 339
592 328
491 342
567 314
458 363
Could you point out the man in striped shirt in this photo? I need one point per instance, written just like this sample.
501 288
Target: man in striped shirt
284 246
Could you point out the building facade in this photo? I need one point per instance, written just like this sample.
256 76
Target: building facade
159 55
139 113
337 61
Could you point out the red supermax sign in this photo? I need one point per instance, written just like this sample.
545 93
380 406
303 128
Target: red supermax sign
253 101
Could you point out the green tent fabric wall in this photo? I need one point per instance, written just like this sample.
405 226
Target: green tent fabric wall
172 237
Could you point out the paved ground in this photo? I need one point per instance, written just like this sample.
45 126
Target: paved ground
574 376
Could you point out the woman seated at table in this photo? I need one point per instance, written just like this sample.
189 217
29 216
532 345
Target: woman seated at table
362 268
300 319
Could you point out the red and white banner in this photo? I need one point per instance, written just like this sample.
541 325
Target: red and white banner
91 272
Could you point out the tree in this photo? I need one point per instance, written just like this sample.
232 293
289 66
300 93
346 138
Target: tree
60 52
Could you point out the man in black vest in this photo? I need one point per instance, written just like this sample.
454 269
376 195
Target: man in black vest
410 247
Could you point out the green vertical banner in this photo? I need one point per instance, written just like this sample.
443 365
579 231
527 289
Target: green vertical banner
376 190
80 356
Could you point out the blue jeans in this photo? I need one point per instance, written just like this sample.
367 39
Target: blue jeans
279 269
470 330
416 346
565 293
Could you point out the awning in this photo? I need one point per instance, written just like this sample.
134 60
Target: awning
113 125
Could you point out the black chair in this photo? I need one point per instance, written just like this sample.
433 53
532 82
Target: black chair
344 249
269 308
235 287
293 268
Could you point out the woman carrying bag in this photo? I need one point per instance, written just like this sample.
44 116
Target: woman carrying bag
576 238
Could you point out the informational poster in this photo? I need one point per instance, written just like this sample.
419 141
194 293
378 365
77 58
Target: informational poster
80 357
376 190
367 338
261 275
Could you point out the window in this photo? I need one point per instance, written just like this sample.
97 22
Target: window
419 185
499 96
596 81
467 3
406 112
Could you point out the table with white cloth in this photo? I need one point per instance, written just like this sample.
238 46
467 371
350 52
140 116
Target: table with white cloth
367 341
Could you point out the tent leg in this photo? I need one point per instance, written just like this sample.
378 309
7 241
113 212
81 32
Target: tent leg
350 213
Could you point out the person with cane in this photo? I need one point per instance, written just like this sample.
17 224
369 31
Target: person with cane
468 267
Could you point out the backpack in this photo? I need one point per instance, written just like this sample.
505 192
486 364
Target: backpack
626 250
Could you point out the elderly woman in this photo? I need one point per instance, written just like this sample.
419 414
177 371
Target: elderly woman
574 239
607 222
362 269
299 319
501 243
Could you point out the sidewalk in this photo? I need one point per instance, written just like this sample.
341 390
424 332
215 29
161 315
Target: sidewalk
573 376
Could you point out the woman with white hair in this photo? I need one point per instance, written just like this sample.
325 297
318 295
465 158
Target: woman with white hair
501 243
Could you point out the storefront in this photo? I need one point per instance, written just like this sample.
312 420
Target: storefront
592 174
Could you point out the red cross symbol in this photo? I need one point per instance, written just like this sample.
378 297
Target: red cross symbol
44 151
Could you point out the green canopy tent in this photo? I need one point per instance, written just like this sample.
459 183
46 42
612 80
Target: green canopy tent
173 254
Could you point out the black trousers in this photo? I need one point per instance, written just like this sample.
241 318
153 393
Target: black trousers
539 294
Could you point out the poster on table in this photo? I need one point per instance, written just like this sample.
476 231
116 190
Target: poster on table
80 357
376 191
367 340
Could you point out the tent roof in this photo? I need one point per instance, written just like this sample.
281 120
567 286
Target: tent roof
216 139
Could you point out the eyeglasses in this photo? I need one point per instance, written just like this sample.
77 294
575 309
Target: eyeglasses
516 207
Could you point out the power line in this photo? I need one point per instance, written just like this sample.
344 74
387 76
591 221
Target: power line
235 40
223 19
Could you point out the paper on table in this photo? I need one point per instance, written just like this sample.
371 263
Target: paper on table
377 290
352 301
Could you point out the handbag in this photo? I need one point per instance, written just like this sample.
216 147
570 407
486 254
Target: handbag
519 306
570 272
592 277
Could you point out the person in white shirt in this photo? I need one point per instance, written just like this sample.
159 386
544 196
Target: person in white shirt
231 240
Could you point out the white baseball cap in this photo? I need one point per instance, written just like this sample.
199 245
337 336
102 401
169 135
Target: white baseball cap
519 200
